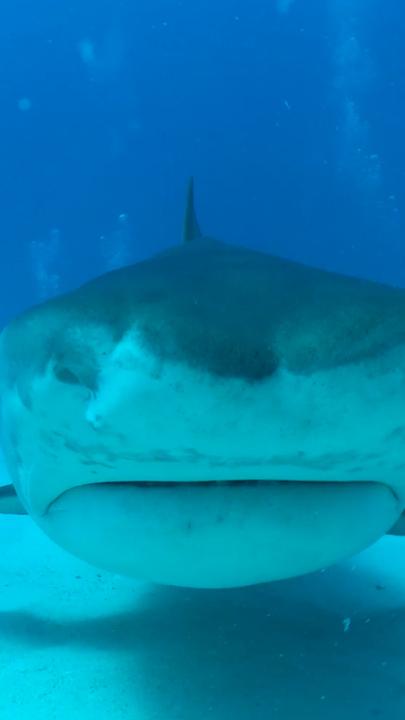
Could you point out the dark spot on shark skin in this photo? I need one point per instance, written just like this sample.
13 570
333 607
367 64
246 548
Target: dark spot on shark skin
14 448
397 433
162 456
57 434
99 463
48 440
323 462
98 455
326 461
193 455
24 394
90 451
73 446
15 455
106 432
50 454
379 463
357 469
400 466
18 459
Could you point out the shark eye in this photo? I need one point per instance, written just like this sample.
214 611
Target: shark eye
75 371
65 375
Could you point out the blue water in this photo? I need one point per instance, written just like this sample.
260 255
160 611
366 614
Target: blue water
289 115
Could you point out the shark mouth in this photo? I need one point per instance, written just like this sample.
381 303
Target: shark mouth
169 484
219 534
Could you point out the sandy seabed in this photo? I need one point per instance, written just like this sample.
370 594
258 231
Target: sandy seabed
83 644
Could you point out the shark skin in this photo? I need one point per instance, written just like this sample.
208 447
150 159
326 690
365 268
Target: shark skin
211 417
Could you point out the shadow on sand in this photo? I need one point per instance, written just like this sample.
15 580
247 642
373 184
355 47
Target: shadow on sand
309 648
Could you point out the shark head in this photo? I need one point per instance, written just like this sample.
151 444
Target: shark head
211 417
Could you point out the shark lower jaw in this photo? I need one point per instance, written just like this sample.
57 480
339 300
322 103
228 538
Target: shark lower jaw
217 535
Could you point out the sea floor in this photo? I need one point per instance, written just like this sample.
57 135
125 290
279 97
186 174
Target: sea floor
79 643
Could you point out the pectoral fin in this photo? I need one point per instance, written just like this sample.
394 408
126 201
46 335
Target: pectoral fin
399 527
9 501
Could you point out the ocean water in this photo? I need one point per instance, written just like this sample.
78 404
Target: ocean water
289 114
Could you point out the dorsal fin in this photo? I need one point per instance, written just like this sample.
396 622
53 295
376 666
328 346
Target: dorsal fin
9 502
191 229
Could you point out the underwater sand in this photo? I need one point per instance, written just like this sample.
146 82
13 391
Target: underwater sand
79 643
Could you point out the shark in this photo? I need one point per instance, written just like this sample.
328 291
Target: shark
211 417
